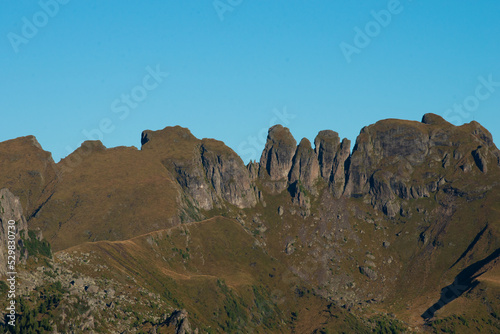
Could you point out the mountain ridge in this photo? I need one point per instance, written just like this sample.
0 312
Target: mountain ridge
363 234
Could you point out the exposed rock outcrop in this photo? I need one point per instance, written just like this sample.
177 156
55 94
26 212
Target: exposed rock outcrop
179 320
332 157
300 197
338 179
276 159
253 170
179 152
327 144
481 158
11 209
396 159
368 272
208 171
302 164
305 166
227 174
28 171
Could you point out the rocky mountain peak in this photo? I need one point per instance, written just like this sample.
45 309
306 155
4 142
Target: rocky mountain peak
332 156
327 143
305 166
276 159
481 133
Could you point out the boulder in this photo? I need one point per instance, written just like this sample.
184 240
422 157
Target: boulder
368 272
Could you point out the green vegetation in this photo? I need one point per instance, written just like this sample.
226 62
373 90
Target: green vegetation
461 324
28 321
3 287
267 311
36 318
183 254
234 309
385 325
36 247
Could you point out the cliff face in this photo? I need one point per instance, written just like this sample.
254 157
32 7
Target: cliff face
208 171
10 209
393 160
305 166
332 156
179 152
276 159
227 174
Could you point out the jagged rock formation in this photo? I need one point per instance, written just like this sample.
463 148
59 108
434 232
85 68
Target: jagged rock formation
11 209
368 272
305 166
332 156
327 144
210 173
302 164
276 159
481 158
179 152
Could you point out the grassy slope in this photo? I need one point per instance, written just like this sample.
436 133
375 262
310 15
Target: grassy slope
216 271
111 194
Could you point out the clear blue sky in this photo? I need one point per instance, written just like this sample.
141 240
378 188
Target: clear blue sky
233 68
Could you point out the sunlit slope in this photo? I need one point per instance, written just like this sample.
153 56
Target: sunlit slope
218 272
107 194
